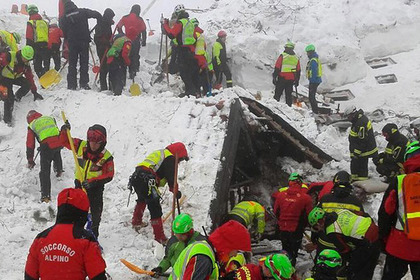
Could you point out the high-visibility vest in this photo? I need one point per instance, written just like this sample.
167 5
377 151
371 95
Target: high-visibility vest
217 48
9 40
250 211
408 216
8 71
196 248
44 127
40 28
88 169
350 224
201 49
338 206
154 160
187 32
309 68
289 63
117 46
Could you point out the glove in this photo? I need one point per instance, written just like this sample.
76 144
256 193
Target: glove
66 125
275 81
178 194
31 164
158 271
86 185
38 96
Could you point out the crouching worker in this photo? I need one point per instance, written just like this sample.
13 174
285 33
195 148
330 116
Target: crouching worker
118 58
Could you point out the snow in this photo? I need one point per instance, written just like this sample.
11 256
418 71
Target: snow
345 33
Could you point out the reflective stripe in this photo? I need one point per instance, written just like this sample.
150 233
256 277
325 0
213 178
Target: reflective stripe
368 153
401 211
334 206
353 133
413 215
356 227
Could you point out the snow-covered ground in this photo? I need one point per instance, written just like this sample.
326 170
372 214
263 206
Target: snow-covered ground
345 34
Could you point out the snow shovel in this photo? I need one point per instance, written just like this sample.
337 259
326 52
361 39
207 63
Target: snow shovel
151 33
135 89
138 270
51 77
95 68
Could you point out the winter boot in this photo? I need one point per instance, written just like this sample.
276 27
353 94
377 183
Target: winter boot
158 230
137 220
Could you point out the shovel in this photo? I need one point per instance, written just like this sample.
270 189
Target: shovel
151 33
51 77
135 89
95 68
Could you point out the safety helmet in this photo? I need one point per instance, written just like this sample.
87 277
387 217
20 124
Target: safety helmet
221 34
32 115
330 258
179 8
295 176
315 215
183 223
27 52
235 262
412 149
96 133
53 21
310 48
289 45
351 109
390 128
415 124
342 177
32 9
74 197
194 21
17 37
178 148
280 266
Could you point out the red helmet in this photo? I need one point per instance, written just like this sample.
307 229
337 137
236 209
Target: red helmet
178 148
74 197
221 34
32 115
96 133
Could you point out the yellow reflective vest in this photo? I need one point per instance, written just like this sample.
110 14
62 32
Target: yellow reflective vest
40 28
44 127
89 169
9 40
154 160
350 224
250 212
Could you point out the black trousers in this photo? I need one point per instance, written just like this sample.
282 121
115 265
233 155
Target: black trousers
312 94
78 51
100 49
54 53
396 268
41 59
291 242
174 63
134 58
362 262
205 81
287 87
117 70
47 156
10 101
359 167
188 69
95 195
147 194
221 69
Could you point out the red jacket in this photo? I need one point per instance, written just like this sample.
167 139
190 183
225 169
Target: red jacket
20 67
64 252
249 271
323 188
291 207
134 26
54 35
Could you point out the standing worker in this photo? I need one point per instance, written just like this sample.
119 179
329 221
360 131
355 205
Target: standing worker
398 219
118 58
362 143
46 132
135 30
220 61
54 45
37 38
286 73
313 73
75 27
155 171
96 168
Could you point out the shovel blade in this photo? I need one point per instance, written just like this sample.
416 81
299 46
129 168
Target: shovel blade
151 33
50 78
135 89
96 69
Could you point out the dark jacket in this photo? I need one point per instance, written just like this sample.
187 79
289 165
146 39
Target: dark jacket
395 149
75 24
103 30
361 138
341 198
312 65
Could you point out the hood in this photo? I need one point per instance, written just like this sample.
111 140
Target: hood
70 7
73 206
229 237
135 10
108 14
32 115
412 164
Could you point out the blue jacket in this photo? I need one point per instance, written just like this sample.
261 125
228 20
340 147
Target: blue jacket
313 64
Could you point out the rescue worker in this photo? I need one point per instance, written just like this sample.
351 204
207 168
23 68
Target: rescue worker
135 30
390 162
9 41
44 129
173 66
362 143
354 237
313 73
199 260
398 219
185 32
291 209
184 235
220 61
283 189
37 38
286 73
277 267
204 63
118 58
327 267
249 213
16 70
54 45
415 125
155 171
75 28
103 40
66 250
96 168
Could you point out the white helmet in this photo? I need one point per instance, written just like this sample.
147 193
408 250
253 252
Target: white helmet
415 124
53 21
349 110
179 8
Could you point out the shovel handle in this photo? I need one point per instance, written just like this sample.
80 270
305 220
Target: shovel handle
76 162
